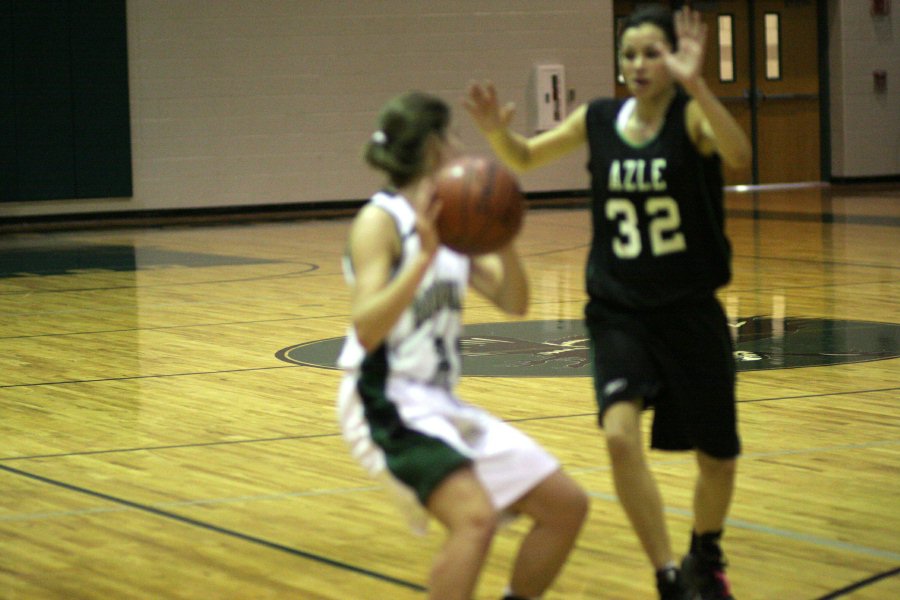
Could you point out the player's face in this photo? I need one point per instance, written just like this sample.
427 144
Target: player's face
641 61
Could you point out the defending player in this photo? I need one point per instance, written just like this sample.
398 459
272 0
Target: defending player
659 336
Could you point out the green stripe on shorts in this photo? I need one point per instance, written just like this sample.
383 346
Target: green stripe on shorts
418 460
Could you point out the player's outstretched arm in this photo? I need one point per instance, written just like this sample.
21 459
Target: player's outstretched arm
714 128
515 150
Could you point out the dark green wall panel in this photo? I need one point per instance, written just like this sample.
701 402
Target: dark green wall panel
7 104
100 99
67 86
42 85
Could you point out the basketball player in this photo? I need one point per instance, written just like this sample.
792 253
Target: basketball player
397 405
659 336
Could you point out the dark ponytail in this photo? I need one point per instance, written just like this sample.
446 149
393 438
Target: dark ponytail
397 147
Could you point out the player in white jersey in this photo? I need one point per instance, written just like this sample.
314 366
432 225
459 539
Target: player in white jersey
397 406
419 346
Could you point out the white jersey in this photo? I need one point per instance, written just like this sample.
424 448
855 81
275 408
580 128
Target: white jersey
396 405
423 345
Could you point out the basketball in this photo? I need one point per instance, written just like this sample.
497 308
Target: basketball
482 205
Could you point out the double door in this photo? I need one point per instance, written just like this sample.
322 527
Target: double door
762 61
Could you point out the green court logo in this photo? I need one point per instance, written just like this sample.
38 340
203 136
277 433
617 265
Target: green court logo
559 348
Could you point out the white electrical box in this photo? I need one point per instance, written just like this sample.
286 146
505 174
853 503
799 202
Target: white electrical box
549 96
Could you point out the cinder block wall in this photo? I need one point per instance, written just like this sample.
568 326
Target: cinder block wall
865 124
239 102
243 103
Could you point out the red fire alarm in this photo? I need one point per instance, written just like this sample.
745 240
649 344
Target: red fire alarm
880 7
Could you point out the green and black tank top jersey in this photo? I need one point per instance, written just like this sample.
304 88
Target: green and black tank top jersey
658 214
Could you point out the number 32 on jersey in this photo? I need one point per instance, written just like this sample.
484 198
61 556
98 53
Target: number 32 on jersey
664 226
664 219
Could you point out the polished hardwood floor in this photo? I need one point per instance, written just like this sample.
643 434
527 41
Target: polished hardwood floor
156 442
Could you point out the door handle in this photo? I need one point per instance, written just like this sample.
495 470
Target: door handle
744 97
796 96
761 96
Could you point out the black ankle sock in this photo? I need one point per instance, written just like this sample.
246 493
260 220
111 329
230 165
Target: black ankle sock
707 544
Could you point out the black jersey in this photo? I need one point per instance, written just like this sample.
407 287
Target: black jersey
658 215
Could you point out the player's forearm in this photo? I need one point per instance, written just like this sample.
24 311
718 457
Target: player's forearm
510 147
376 315
731 141
512 294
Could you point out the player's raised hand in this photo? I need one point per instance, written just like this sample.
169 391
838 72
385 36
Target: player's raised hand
686 63
481 102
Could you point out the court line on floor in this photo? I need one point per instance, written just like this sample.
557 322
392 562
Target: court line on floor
281 438
814 217
155 509
336 434
755 455
137 377
776 531
738 523
217 529
311 268
158 328
222 500
822 394
128 505
860 584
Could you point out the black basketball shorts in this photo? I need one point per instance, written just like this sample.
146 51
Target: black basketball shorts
678 360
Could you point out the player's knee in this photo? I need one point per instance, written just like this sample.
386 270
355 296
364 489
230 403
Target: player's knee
716 467
621 427
570 504
558 502
476 522
576 505
622 444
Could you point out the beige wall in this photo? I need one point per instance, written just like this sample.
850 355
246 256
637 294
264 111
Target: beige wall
252 102
865 125
257 102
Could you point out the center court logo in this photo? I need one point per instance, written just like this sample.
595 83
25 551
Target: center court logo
559 348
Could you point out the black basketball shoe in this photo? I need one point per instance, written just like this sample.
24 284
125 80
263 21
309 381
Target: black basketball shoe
703 569
670 585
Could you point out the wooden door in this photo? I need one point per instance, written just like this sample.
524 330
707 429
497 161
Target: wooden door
772 89
787 92
733 85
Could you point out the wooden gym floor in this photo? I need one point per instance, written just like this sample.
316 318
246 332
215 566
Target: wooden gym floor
155 441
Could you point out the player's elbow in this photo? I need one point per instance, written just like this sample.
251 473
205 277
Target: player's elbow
517 306
519 310
518 163
368 337
519 158
738 155
740 159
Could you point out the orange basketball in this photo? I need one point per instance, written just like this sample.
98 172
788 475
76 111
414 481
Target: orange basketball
482 205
